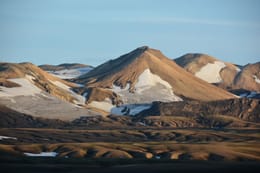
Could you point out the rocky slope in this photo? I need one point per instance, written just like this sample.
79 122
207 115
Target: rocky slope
245 109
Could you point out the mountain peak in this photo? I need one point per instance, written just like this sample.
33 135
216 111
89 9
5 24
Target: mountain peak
144 48
145 75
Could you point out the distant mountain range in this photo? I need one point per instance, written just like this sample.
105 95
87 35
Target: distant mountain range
67 71
127 85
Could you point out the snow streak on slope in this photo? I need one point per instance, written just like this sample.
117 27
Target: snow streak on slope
26 88
257 80
7 137
131 109
70 73
80 99
127 109
42 154
105 105
211 72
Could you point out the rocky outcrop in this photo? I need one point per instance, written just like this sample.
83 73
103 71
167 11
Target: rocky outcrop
245 109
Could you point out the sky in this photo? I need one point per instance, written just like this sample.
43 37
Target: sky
94 31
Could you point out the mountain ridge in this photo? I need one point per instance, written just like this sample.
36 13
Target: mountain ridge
227 75
126 70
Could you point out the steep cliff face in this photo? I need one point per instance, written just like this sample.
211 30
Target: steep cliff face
245 109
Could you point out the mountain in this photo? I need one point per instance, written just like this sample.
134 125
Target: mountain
142 76
67 70
209 69
222 74
64 66
28 89
248 78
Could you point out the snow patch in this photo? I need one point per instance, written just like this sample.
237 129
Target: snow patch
70 73
85 94
26 88
249 94
7 137
244 95
158 157
105 105
131 109
142 123
238 69
252 94
257 80
80 100
146 80
61 85
117 89
211 72
42 154
149 88
30 78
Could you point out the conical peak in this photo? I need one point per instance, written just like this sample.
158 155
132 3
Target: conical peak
193 55
145 51
133 55
143 48
140 50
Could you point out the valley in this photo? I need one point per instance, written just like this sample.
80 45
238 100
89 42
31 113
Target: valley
57 150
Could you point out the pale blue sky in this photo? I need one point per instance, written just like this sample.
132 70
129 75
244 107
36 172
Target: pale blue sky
94 31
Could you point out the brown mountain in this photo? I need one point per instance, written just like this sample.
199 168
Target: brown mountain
222 74
146 73
36 76
209 69
28 89
248 78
